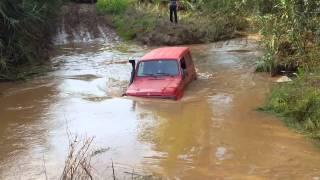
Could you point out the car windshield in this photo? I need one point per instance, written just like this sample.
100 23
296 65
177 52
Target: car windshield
158 68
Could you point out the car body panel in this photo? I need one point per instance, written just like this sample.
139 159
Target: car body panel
165 53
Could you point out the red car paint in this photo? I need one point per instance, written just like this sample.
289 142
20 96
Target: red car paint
164 86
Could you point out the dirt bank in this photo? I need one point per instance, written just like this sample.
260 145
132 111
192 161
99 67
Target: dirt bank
166 33
81 23
152 26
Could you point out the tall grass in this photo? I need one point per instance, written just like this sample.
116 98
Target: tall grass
290 35
112 6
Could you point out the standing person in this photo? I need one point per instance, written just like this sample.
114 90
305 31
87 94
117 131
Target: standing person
173 5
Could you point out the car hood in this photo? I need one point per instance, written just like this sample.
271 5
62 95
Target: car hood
152 86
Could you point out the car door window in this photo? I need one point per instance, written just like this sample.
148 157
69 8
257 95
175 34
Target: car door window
183 64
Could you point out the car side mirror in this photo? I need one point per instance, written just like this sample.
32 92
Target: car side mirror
132 61
133 72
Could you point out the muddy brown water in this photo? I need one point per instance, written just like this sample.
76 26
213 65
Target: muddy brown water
214 132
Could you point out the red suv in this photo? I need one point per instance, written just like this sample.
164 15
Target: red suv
162 73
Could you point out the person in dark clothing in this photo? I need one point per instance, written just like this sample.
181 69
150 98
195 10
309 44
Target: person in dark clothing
173 6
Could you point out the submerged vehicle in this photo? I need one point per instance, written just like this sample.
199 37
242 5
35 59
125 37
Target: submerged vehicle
162 73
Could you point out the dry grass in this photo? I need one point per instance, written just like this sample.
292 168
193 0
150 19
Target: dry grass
78 162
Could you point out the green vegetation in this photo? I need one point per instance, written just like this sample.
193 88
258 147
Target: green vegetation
25 28
291 38
298 102
200 21
290 35
112 6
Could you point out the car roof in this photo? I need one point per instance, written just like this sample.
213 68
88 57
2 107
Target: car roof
165 53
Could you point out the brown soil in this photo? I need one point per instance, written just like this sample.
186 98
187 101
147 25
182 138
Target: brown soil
179 35
80 20
166 33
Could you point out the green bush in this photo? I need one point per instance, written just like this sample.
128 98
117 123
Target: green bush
112 6
135 21
299 103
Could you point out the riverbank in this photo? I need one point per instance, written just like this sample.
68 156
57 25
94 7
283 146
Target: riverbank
297 103
149 24
25 72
